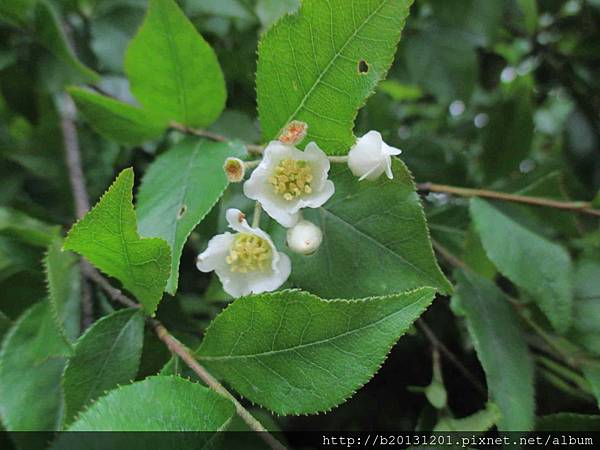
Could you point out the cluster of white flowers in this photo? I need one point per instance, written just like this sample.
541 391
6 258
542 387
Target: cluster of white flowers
285 181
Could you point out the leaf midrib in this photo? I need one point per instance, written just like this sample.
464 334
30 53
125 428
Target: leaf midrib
330 65
314 343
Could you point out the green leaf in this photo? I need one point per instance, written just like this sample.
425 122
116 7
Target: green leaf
172 70
500 346
178 190
374 245
16 224
568 422
320 65
107 236
585 331
591 372
49 33
158 404
479 422
529 11
596 201
540 267
108 354
294 353
31 365
16 12
64 288
118 121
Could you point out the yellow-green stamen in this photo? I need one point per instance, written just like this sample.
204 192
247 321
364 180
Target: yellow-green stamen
249 253
292 178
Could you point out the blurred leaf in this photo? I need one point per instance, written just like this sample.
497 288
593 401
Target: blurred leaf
123 123
159 404
270 11
107 236
16 12
529 11
19 225
375 245
49 33
233 9
108 354
475 257
64 289
178 190
236 125
591 372
568 422
481 421
277 349
30 371
400 91
540 267
186 83
596 201
299 77
501 349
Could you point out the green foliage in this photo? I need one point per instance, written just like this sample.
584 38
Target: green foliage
550 283
116 120
478 422
179 190
14 223
364 254
108 237
186 83
158 404
31 365
319 65
295 353
500 345
108 354
568 422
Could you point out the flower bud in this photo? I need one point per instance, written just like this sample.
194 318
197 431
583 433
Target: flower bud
234 169
370 157
294 133
304 237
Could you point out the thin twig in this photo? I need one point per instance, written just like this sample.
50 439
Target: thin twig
186 355
439 345
581 207
252 148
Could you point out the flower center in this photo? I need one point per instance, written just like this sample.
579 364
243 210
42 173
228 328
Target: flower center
249 253
292 178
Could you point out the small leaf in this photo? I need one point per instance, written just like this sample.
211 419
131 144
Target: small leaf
107 236
116 120
294 353
481 421
172 70
50 34
540 267
106 355
31 365
374 245
159 404
500 346
319 66
64 288
178 190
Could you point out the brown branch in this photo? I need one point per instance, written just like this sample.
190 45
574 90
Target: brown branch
186 355
580 207
252 148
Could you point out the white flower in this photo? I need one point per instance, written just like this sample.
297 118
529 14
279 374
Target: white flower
370 157
287 180
304 237
246 262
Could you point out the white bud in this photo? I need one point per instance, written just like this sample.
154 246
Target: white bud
234 169
304 238
370 157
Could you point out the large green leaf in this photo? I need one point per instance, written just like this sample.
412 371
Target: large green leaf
64 288
320 65
540 267
49 33
107 236
500 345
108 354
158 404
178 190
295 353
116 120
376 240
172 70
31 365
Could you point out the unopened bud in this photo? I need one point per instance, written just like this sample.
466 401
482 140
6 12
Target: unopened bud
304 238
234 169
294 133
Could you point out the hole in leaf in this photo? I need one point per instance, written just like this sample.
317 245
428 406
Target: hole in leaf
363 67
182 211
